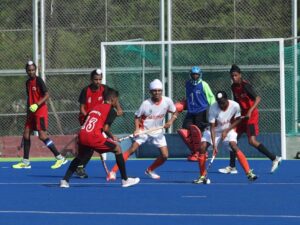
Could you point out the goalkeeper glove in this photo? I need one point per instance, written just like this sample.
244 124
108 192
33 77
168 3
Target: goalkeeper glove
33 107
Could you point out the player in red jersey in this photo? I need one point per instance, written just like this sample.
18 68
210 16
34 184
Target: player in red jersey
37 118
93 94
248 100
91 138
90 96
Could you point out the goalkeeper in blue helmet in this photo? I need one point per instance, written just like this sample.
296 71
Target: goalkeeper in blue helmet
198 99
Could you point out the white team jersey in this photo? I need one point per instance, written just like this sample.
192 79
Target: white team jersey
153 114
223 118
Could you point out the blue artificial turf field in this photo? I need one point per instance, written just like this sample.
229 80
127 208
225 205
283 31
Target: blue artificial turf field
33 197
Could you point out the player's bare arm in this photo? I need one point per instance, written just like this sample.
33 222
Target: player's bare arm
213 136
257 101
82 110
171 121
232 125
137 123
43 99
119 109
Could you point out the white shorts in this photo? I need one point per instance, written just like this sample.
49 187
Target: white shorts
231 136
158 140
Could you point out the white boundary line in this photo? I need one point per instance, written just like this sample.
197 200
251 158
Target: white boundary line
161 183
149 214
194 196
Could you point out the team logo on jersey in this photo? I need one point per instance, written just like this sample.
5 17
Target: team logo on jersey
33 88
100 98
89 100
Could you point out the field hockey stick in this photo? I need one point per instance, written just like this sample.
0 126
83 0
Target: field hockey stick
140 133
104 164
215 152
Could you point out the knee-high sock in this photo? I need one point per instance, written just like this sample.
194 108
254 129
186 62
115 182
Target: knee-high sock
125 156
73 166
50 144
261 148
202 166
243 161
26 146
232 159
121 165
158 162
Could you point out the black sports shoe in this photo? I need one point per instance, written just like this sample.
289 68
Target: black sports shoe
251 176
80 172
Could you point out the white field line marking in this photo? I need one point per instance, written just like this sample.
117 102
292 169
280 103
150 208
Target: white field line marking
149 214
193 196
162 183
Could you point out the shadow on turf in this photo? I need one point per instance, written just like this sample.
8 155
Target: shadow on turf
74 177
89 185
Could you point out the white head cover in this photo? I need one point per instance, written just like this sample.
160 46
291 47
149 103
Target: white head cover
156 84
99 71
29 63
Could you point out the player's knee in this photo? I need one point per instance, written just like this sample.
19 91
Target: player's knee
118 150
42 136
131 151
203 147
165 155
183 133
233 146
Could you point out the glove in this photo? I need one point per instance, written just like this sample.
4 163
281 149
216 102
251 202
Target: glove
33 107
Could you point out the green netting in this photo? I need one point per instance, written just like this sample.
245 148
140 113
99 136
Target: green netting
130 68
292 89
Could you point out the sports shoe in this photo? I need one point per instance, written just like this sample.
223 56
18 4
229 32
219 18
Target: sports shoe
80 172
59 163
251 176
193 157
276 164
111 176
202 180
152 174
228 169
21 165
64 184
130 182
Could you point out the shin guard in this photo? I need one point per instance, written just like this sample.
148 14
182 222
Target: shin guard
186 137
196 136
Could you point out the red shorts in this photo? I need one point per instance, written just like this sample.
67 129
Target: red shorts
249 126
37 122
98 143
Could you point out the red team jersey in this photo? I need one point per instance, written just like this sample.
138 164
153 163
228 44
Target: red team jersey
90 98
245 95
36 90
90 134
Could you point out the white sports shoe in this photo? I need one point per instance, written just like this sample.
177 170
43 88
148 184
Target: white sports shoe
111 176
64 184
130 182
276 164
152 174
228 169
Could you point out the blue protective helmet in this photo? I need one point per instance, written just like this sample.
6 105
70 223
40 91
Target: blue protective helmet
196 70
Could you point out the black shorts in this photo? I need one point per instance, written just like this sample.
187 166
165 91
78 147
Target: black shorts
198 119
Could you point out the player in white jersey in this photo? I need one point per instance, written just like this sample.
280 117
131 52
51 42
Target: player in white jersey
151 114
223 116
